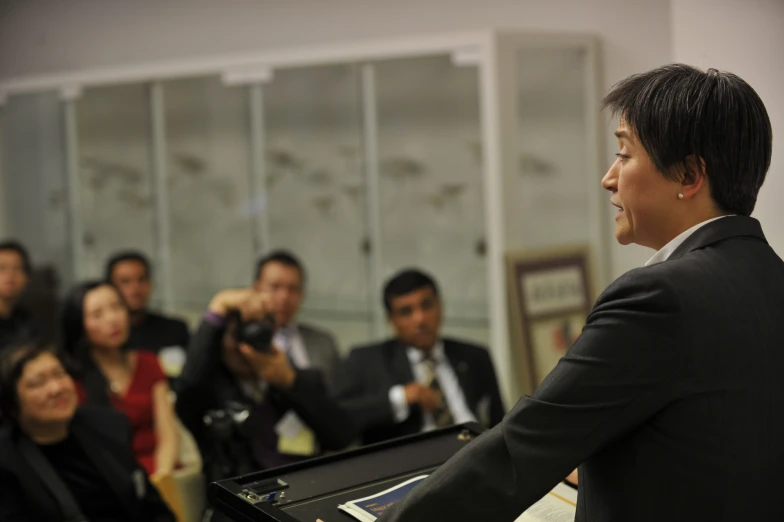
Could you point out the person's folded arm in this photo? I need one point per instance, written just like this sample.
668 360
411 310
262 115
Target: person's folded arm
627 364
194 386
367 409
311 401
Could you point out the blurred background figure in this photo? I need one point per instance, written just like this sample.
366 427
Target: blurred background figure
95 332
52 449
131 273
250 410
16 323
281 276
417 380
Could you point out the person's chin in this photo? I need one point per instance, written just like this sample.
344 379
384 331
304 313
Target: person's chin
623 236
424 343
64 412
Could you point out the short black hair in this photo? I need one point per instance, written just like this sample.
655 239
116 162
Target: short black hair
15 246
127 255
12 365
283 257
405 282
678 111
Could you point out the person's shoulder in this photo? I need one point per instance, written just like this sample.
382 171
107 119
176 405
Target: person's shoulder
146 358
22 313
7 441
315 331
373 350
656 281
467 347
166 321
95 414
104 421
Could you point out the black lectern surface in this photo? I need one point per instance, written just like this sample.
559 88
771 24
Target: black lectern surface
313 489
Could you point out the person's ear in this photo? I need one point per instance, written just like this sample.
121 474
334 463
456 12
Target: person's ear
694 178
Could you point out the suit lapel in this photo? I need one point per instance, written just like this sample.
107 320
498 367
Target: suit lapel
107 464
34 485
310 343
398 363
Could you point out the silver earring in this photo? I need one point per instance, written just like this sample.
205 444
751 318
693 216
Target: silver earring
680 196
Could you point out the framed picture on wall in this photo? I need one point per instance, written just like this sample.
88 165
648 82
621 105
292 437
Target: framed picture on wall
551 295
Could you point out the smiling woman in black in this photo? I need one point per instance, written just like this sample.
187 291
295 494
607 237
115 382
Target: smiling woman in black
59 462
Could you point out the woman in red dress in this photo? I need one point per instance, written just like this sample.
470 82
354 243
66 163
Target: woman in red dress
96 325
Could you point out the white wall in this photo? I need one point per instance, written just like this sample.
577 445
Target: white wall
745 37
48 36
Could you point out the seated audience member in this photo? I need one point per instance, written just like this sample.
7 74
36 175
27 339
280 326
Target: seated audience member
281 276
59 462
418 380
168 337
95 333
250 410
16 323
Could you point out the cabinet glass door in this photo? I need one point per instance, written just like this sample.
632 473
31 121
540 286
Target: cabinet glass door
316 204
431 184
116 194
210 207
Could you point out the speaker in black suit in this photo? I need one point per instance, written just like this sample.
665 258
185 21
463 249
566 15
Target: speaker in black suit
671 399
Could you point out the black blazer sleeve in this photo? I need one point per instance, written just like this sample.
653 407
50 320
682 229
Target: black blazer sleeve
309 398
116 442
194 386
624 367
183 334
497 410
11 495
368 408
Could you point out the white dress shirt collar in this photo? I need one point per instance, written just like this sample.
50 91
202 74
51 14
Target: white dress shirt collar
289 339
415 355
666 251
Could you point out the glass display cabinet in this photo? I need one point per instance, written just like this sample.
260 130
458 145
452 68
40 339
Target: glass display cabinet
442 152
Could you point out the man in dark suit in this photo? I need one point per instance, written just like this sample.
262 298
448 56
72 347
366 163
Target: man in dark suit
16 323
671 399
418 380
281 276
168 337
262 410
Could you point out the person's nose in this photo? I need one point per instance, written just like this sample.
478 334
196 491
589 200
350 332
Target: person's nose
610 179
115 319
54 387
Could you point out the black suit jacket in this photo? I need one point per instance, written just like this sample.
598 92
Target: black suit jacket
156 332
206 384
105 436
671 401
364 379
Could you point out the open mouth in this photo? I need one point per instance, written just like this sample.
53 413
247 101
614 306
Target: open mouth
619 207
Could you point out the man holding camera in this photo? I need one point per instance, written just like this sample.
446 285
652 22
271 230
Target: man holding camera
246 403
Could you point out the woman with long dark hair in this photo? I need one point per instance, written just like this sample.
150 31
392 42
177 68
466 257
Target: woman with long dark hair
95 333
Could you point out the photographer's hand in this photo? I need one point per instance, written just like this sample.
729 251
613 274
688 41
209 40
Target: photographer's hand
273 367
251 305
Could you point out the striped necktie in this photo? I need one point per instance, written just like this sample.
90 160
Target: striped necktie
442 414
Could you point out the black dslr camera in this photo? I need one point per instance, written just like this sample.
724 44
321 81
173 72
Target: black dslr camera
257 334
